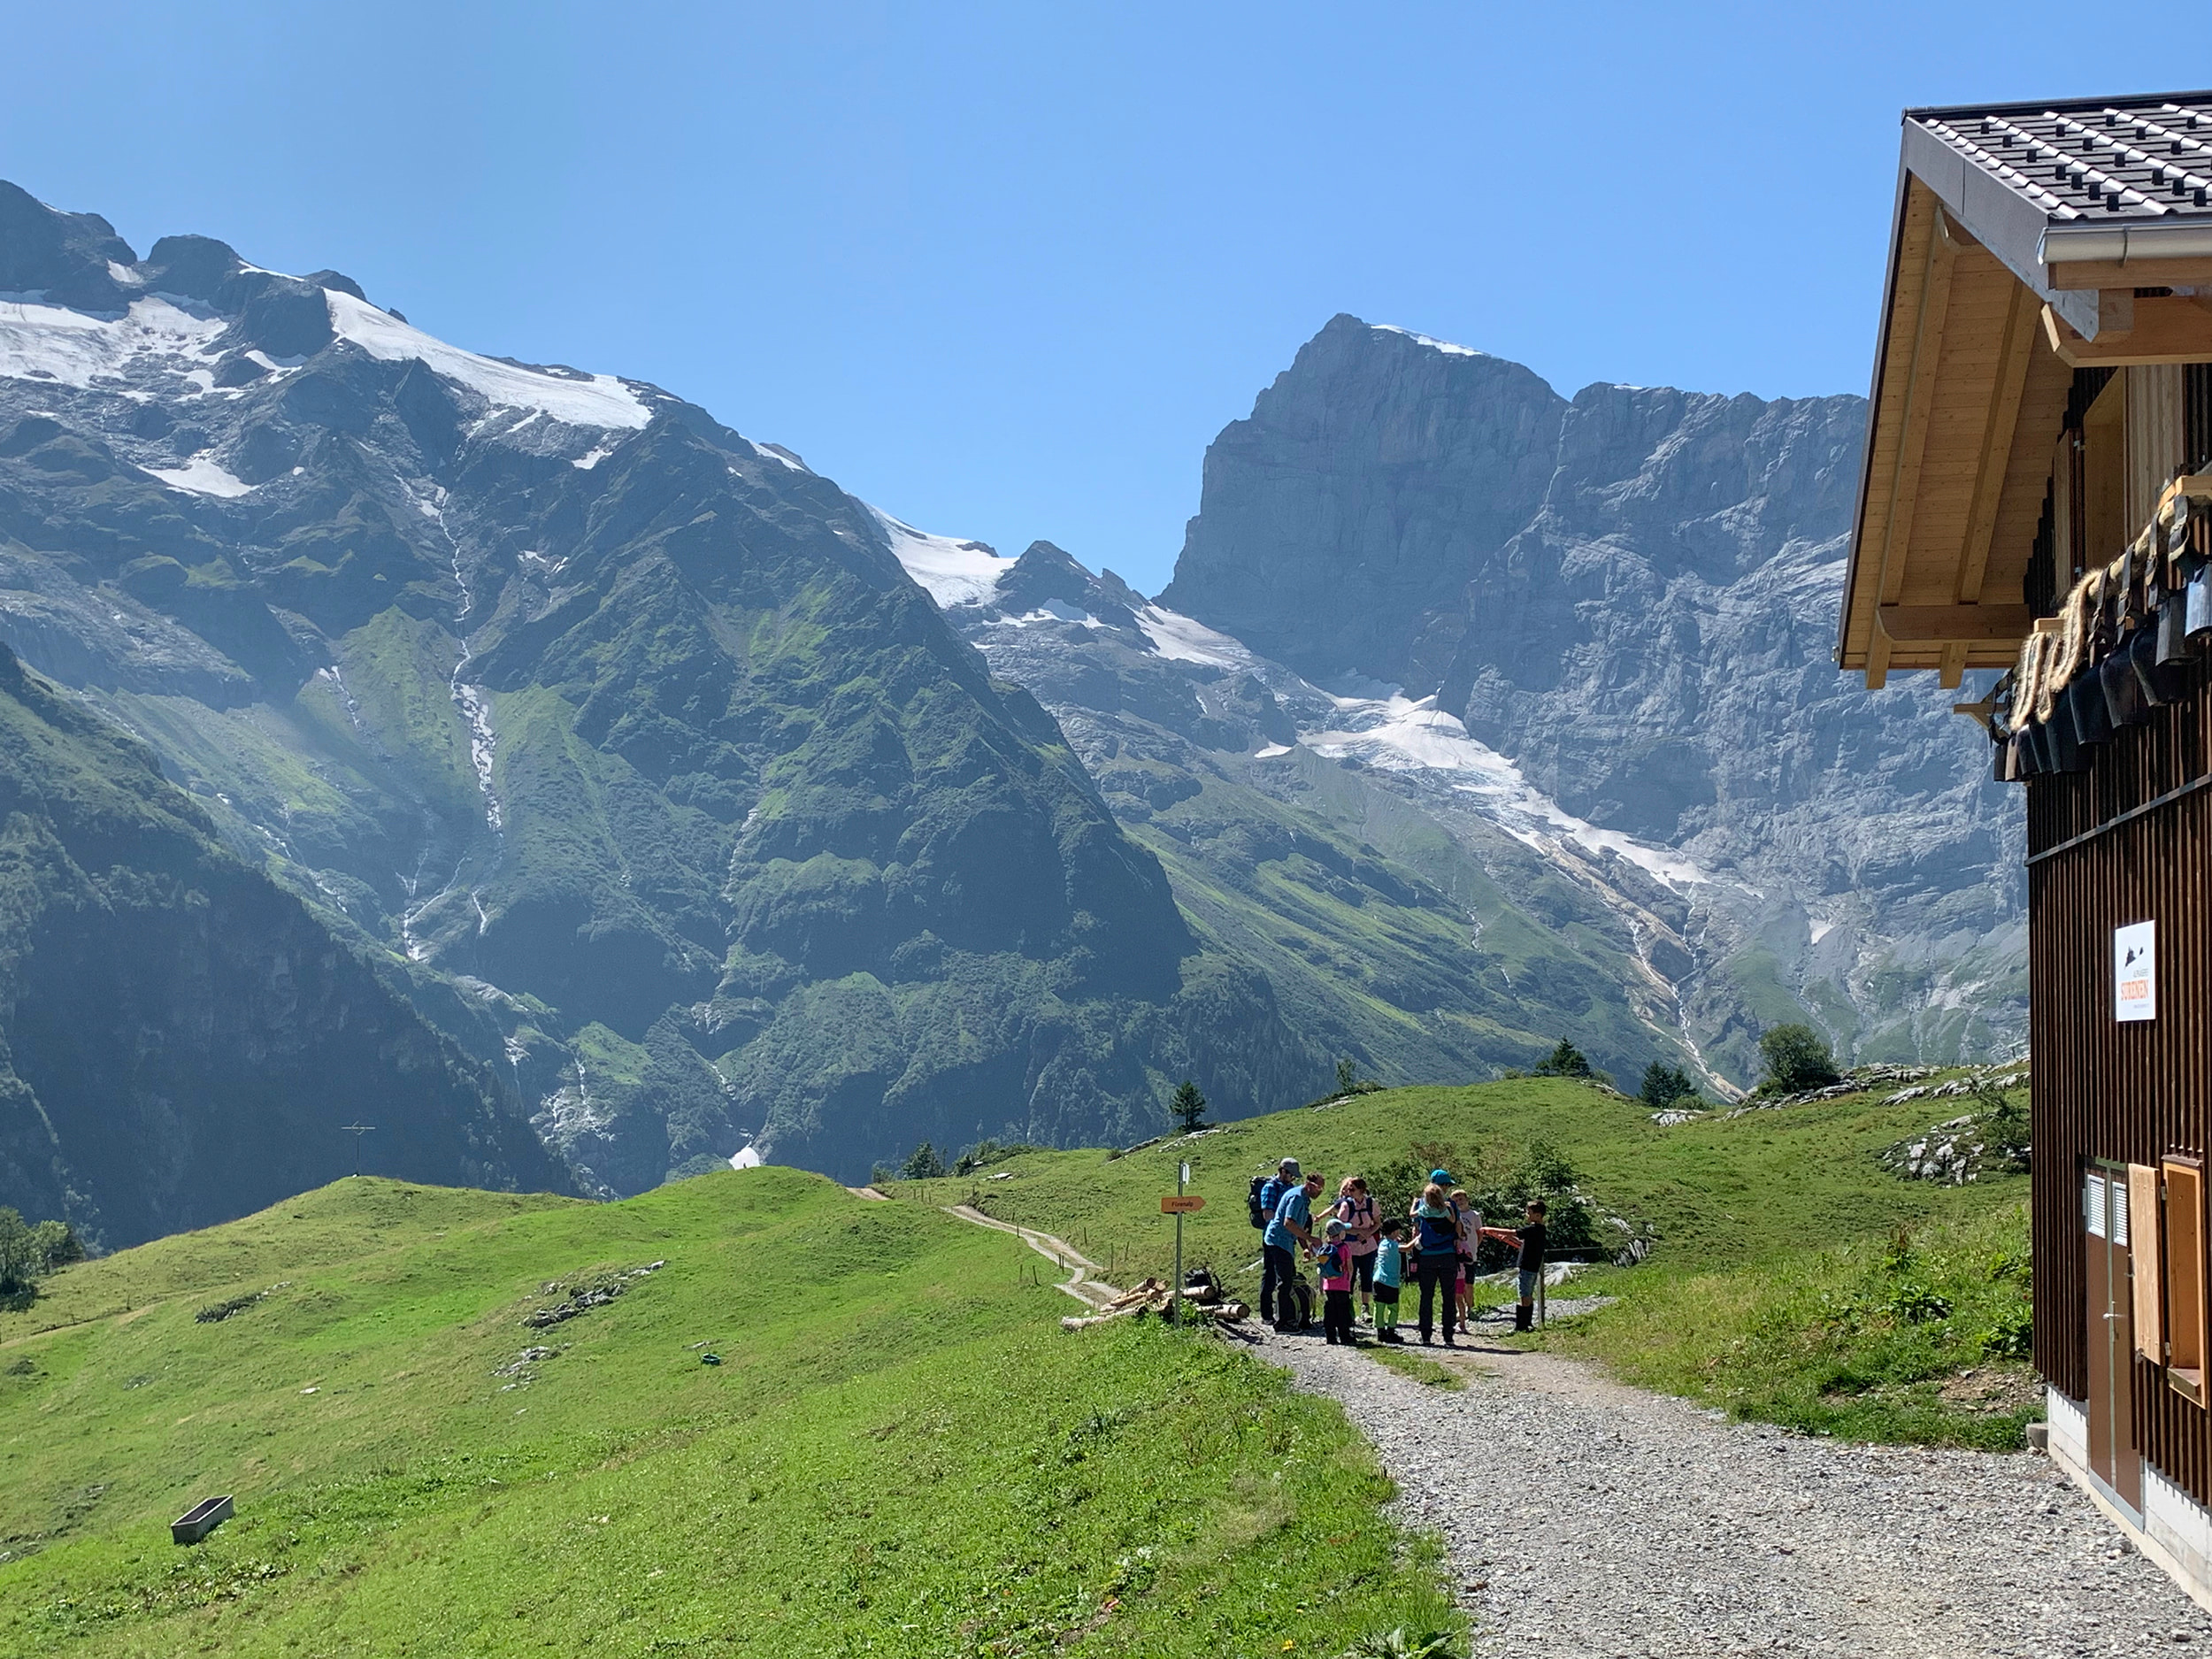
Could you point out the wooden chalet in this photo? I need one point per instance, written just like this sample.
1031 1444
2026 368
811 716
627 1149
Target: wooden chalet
2036 499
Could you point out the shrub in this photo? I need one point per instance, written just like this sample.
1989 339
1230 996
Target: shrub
2003 1124
1499 1185
985 1153
2010 1335
28 1254
1916 1304
1797 1058
1349 1081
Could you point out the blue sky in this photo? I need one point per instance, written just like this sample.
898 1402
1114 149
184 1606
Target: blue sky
1004 271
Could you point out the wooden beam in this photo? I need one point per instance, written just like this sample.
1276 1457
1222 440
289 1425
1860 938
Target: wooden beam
1951 671
1904 488
2170 329
2019 345
2136 273
1955 624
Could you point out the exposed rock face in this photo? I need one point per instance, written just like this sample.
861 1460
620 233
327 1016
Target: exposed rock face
1419 954
1632 596
180 1040
627 740
638 754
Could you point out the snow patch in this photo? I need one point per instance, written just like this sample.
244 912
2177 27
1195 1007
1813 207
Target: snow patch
952 572
1051 611
1434 344
202 477
591 399
746 1158
1271 751
1821 930
52 343
1182 639
1397 733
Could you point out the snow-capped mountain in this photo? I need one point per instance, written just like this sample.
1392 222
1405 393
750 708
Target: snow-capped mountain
708 807
1597 630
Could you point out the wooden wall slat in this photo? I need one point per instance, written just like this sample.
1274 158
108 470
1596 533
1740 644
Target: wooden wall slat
2127 1094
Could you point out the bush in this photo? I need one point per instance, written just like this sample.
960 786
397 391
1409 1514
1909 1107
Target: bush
1349 1081
2011 1335
1499 1185
985 1153
1797 1058
28 1254
1916 1304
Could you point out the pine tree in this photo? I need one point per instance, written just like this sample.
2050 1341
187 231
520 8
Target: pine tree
1664 1085
922 1163
1564 1061
1188 1106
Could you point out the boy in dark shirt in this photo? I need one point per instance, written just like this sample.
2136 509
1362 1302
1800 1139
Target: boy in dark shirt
1531 1264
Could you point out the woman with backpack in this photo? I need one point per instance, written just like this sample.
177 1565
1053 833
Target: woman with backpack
1357 1210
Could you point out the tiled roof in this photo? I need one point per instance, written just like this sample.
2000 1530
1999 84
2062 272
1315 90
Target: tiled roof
2138 158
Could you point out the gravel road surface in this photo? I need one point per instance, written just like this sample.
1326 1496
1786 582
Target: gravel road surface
1584 1517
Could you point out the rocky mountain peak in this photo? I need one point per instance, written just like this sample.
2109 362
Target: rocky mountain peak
70 258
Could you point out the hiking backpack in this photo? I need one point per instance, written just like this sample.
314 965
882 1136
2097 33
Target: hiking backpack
1261 1198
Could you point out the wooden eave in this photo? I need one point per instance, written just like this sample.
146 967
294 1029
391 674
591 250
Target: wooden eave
1968 397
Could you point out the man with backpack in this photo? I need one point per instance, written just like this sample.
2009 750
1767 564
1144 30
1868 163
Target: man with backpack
1277 1266
1290 1232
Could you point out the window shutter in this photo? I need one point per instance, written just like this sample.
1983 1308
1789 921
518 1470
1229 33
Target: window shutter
2150 1276
2185 1264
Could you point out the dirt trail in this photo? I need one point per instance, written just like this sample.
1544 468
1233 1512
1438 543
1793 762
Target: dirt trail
1584 1517
1091 1291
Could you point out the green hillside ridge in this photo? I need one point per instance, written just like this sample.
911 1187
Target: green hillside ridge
1781 1284
181 1038
855 1475
1388 939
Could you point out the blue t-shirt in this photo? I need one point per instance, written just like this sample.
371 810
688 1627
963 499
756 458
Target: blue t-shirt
1388 1258
1293 1206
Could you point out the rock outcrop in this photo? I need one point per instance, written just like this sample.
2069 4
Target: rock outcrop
1631 597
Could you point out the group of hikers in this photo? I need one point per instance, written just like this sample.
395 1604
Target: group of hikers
1375 1256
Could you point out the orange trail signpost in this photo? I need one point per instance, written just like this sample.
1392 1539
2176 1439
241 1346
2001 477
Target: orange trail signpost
1179 1203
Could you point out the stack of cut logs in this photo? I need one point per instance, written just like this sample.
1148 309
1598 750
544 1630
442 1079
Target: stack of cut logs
1201 1301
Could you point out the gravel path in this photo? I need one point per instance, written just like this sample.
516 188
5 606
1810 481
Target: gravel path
1584 1517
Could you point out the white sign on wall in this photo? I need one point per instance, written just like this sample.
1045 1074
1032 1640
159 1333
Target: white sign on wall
2135 971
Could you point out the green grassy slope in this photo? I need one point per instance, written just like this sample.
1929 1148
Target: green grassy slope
901 1452
1775 1285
